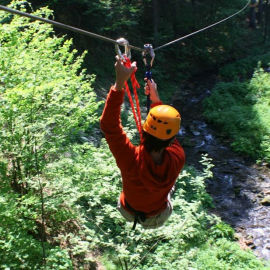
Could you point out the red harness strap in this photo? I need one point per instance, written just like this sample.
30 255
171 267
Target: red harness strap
135 85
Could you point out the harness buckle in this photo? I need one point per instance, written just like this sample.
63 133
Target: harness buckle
125 43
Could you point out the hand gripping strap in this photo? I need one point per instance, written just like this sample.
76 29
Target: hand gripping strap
135 85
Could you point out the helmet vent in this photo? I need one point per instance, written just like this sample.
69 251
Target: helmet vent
153 117
162 122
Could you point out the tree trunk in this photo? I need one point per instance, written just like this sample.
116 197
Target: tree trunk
193 8
155 19
266 20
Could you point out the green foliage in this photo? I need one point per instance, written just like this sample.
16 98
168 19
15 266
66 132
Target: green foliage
15 242
180 243
46 101
43 100
46 104
241 111
243 69
222 230
223 254
45 97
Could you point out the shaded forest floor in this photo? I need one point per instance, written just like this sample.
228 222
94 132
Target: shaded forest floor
239 187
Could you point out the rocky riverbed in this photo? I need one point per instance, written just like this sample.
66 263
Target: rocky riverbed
240 188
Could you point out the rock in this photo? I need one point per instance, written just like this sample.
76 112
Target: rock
266 201
258 208
237 191
237 236
250 243
265 254
226 204
195 100
182 131
253 199
254 190
84 139
196 133
201 144
236 213
194 130
187 142
209 138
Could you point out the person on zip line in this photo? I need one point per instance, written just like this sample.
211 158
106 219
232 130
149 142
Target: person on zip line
149 171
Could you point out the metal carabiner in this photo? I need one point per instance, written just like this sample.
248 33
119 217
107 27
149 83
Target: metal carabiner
125 43
148 50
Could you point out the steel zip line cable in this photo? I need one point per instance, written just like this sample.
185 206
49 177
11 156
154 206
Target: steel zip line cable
203 29
83 32
65 26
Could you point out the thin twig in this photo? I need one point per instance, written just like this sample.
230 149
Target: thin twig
121 263
126 265
43 234
161 238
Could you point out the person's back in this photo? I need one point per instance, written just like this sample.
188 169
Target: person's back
149 171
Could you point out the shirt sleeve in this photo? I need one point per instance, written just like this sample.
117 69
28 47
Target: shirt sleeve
156 104
178 153
110 123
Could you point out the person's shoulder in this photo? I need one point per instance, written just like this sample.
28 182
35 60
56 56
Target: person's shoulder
176 151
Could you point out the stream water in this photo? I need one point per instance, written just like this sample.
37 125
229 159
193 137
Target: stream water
240 188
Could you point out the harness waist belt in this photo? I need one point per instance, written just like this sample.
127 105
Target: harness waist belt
138 215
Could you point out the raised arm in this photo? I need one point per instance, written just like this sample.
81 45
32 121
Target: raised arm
122 73
151 89
110 122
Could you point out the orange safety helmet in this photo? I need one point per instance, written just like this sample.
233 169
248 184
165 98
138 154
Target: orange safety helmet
162 122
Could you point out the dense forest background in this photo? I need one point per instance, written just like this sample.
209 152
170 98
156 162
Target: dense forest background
59 183
158 22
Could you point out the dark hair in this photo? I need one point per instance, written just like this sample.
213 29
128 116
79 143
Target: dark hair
152 143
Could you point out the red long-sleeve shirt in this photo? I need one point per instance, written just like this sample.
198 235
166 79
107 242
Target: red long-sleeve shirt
145 184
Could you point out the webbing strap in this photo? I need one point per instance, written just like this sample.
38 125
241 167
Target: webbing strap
135 85
138 215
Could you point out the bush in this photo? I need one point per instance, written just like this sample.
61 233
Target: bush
241 111
243 69
179 244
46 100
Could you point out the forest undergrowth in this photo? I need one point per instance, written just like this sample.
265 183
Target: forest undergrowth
239 106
